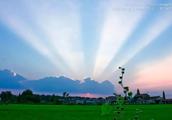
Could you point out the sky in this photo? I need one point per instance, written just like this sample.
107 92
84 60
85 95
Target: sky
89 38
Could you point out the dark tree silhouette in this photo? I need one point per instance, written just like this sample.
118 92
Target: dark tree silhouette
163 95
27 93
27 96
138 92
6 97
65 94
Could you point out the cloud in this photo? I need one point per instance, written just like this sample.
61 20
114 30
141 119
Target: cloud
12 80
61 84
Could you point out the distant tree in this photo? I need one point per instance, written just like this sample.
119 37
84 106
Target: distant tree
55 99
27 96
6 97
163 95
19 98
66 98
130 94
36 99
65 94
27 93
138 92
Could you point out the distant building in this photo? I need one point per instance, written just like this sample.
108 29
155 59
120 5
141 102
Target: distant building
110 99
82 100
156 99
146 98
168 101
139 98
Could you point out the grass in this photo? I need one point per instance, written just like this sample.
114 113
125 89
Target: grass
76 112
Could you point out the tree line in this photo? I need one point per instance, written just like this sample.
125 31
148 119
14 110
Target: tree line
27 97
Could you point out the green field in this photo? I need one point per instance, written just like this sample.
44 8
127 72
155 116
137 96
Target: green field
76 112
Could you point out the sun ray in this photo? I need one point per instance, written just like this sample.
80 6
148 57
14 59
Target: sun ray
63 30
60 26
155 29
118 25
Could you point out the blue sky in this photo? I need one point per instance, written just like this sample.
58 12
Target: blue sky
86 38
